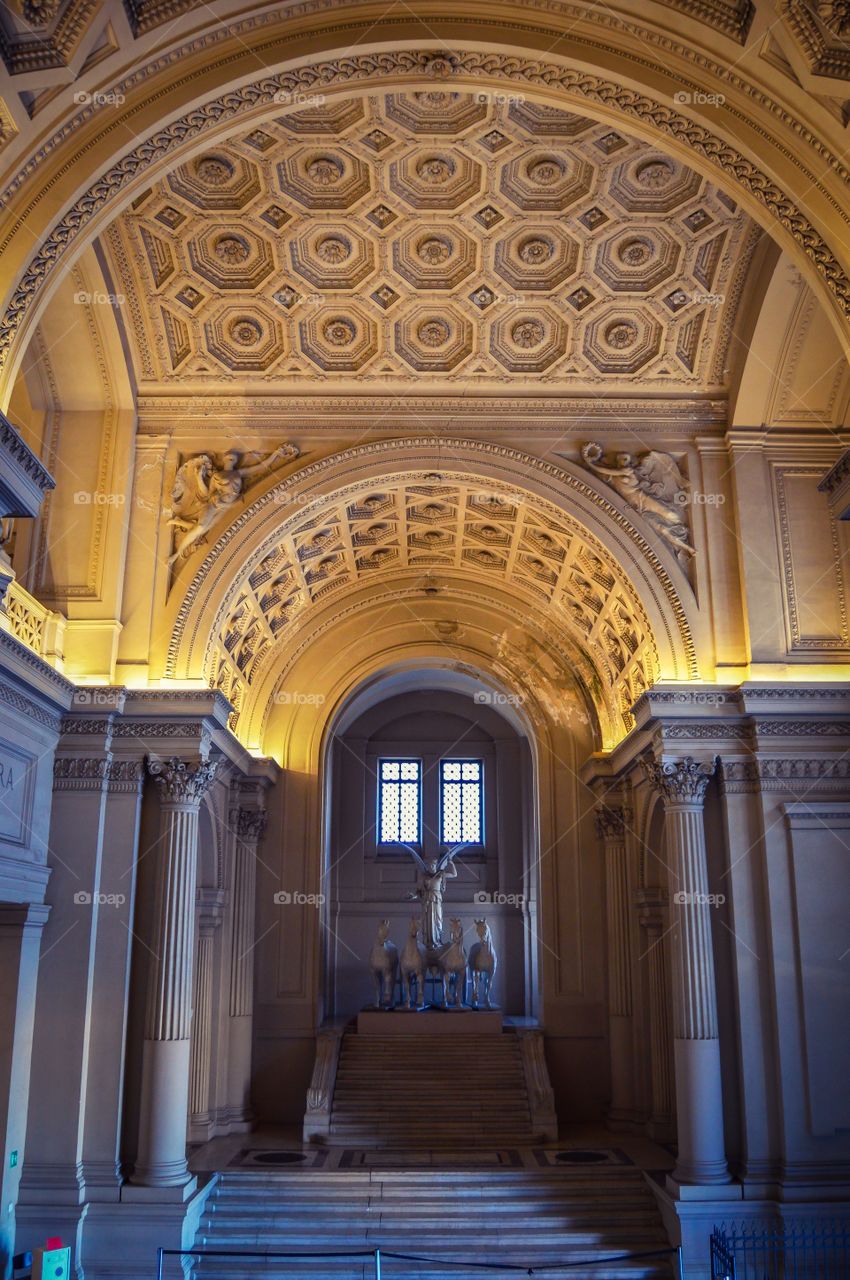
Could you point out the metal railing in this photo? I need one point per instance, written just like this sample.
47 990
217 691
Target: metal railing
770 1251
378 1259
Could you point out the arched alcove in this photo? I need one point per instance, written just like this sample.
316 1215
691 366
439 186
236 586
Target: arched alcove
428 715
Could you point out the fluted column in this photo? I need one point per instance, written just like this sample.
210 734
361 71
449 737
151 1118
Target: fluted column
204 1015
199 1074
249 825
611 830
654 953
699 1095
165 1064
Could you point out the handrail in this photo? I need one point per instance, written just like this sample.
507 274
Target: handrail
378 1254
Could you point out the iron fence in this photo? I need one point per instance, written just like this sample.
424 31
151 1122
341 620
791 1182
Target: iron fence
770 1251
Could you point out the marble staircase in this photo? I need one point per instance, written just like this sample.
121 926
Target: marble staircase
412 1091
518 1216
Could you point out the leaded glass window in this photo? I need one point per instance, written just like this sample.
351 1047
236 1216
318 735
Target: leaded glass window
399 801
461 801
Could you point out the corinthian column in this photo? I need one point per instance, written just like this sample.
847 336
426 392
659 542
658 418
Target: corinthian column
611 830
165 1064
699 1094
249 826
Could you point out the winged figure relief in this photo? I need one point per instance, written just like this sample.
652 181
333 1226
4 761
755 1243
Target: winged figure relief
202 489
654 485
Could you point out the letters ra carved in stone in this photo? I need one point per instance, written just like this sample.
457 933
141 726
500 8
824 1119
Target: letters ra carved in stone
203 489
654 486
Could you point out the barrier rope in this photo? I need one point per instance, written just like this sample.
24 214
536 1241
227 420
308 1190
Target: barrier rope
415 1257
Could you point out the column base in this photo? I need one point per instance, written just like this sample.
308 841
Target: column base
161 1161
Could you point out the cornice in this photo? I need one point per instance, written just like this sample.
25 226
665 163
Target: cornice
386 414
535 73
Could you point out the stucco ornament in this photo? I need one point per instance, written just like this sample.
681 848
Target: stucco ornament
835 14
654 485
203 489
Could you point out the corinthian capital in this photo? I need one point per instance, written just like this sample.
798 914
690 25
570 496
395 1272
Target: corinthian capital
250 823
611 821
680 781
182 781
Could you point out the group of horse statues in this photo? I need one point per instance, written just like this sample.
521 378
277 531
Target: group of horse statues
445 962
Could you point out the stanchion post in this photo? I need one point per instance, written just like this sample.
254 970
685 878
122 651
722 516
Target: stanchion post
160 1259
377 1264
680 1266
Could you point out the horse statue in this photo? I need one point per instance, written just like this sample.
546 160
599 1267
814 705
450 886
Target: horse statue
383 962
482 964
412 966
453 968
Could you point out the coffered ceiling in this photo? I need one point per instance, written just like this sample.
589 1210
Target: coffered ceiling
430 238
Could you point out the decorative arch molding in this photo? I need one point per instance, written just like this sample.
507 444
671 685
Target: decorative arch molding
769 202
656 588
602 715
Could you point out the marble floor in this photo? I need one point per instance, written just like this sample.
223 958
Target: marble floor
281 1147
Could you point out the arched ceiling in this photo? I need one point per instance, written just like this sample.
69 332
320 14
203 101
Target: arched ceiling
430 238
439 537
